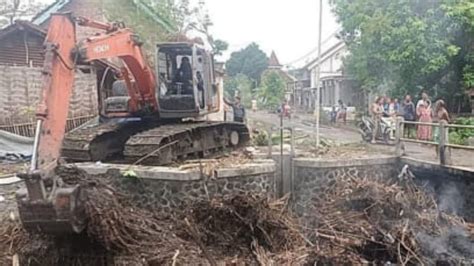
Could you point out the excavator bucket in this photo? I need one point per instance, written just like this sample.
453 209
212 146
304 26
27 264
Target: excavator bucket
61 212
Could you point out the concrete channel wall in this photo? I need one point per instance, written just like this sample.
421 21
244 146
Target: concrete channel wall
164 188
313 176
305 178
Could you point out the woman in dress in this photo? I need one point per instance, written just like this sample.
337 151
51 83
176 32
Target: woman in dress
423 111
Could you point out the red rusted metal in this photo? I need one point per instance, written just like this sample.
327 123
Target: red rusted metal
86 22
123 44
58 78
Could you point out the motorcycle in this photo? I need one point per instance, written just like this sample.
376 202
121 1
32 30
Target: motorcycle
366 128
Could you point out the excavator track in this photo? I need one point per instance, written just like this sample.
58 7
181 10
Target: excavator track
151 144
168 143
98 142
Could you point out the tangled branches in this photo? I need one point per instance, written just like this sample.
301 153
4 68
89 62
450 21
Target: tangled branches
229 229
249 226
363 220
354 220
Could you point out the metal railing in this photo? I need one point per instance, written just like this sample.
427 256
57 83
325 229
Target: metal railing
442 143
28 129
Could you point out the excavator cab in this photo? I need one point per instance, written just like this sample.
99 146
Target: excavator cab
186 85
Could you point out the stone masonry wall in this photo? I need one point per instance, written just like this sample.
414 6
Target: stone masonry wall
311 178
165 188
165 195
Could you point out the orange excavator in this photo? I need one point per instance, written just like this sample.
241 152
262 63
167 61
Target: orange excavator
146 116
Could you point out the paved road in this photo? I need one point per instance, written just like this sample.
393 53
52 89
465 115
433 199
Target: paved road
344 135
300 122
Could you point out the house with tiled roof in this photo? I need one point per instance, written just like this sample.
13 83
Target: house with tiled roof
275 66
334 83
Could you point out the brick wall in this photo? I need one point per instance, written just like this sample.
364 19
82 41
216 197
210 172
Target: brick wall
20 89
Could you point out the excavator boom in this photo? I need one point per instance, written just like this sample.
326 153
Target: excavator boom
153 132
46 204
50 207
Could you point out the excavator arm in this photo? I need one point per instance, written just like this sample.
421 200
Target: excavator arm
46 204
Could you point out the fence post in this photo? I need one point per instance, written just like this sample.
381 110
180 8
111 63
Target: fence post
399 126
292 163
442 142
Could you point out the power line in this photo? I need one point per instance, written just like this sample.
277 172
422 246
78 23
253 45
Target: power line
315 48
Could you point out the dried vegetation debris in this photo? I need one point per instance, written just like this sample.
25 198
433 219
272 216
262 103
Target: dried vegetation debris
364 220
208 167
352 221
232 229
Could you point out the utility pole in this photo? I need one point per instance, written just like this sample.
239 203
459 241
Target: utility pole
318 73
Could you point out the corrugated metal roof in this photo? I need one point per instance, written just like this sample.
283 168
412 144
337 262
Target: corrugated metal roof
20 25
22 44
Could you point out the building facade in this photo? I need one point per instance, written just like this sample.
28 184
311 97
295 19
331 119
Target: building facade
334 83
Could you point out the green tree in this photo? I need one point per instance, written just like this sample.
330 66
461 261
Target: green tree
463 12
143 20
272 89
162 20
220 46
11 10
240 84
250 61
403 44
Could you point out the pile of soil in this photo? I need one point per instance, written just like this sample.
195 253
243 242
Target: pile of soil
368 221
223 230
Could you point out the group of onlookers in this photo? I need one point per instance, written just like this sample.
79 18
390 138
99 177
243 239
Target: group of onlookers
386 109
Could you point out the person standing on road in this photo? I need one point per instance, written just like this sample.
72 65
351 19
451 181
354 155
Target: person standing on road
238 109
409 114
286 110
342 113
377 112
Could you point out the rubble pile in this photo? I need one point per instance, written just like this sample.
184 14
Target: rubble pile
224 230
360 220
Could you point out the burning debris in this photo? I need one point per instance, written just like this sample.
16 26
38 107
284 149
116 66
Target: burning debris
363 220
353 220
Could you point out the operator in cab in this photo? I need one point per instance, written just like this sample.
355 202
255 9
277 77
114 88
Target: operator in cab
185 75
238 109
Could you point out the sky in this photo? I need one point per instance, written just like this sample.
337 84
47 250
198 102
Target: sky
289 27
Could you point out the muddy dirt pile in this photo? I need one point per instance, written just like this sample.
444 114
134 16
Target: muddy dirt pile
234 229
362 220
